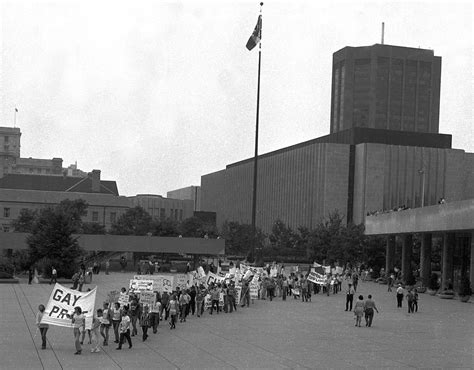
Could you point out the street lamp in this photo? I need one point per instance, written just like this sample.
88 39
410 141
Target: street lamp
422 173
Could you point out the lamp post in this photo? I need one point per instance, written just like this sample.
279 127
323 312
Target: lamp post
422 173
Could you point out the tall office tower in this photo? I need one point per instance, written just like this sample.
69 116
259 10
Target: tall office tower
385 87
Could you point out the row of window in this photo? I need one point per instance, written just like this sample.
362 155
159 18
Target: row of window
95 215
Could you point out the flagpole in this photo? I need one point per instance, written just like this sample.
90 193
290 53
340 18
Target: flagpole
255 160
14 117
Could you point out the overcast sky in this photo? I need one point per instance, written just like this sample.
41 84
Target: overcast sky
156 94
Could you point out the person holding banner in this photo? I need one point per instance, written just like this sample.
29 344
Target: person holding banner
43 328
79 325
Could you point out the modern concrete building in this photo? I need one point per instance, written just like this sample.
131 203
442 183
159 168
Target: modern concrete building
383 151
162 208
188 193
385 87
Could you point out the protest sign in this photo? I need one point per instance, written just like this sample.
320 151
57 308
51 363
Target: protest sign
137 285
238 292
61 305
317 278
113 296
201 272
181 281
213 278
147 298
208 301
124 299
253 291
161 283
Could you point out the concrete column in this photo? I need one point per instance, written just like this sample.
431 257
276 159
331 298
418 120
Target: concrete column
389 253
407 249
425 259
471 266
447 260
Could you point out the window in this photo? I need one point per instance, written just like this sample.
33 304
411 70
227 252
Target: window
113 217
162 213
6 212
31 170
95 216
7 139
181 215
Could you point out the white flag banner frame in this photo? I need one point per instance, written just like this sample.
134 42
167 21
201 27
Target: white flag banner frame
62 302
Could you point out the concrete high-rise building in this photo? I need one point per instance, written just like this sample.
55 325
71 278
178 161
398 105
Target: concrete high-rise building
384 150
385 87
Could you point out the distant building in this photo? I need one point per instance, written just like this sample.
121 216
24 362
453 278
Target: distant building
189 193
12 163
384 150
161 208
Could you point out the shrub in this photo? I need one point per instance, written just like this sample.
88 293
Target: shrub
434 282
465 288
6 270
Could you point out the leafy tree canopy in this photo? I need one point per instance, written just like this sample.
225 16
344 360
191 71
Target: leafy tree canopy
135 221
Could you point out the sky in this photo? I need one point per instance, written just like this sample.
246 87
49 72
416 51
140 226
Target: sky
156 94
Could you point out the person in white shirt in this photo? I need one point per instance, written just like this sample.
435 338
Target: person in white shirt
125 329
155 311
399 296
43 328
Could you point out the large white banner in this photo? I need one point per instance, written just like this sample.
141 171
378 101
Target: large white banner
317 278
62 302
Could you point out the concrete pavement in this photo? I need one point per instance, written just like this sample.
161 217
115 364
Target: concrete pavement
270 335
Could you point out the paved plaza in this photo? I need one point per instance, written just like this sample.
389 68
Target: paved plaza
271 335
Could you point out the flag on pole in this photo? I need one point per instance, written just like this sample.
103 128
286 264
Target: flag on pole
256 35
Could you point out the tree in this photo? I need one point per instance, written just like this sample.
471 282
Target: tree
239 238
24 222
195 227
135 221
167 227
92 228
51 242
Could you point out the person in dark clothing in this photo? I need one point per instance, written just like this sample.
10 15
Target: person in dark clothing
30 275
349 297
192 302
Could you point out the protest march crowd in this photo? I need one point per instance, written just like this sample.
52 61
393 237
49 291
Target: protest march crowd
150 299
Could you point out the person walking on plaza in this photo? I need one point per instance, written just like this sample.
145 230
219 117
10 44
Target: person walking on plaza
359 310
369 307
105 324
355 280
200 294
96 323
215 295
192 302
173 311
79 325
349 297
107 266
30 275
125 329
116 315
54 276
415 301
399 296
165 298
145 321
134 315
409 297
155 313
43 328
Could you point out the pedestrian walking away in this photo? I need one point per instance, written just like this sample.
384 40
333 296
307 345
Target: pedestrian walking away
369 307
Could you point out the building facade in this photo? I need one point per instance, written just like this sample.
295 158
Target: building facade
161 208
188 193
384 150
385 87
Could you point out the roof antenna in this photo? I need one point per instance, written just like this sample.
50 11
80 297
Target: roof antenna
383 32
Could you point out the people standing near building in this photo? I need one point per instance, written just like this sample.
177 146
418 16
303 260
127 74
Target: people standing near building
349 297
369 307
105 324
145 321
125 329
116 315
43 328
54 276
399 296
96 323
359 310
79 325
